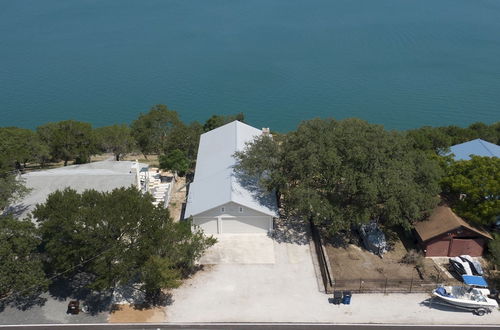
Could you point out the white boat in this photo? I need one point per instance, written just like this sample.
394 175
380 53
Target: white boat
466 297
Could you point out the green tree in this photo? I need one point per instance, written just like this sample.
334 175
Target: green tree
21 272
458 134
441 138
175 161
68 140
186 138
482 131
342 173
473 186
218 120
430 138
116 139
117 237
263 159
20 145
494 249
151 130
12 186
12 189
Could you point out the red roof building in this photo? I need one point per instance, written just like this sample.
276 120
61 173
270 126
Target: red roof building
444 234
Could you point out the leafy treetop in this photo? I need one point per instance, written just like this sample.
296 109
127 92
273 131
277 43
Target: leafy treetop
473 186
117 237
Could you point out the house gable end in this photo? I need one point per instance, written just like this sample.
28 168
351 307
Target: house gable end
230 209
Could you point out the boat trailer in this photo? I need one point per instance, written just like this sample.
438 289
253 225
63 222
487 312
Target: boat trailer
480 311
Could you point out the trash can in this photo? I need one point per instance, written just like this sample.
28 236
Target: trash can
337 297
346 300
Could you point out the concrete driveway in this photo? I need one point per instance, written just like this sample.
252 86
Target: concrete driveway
252 278
240 249
287 291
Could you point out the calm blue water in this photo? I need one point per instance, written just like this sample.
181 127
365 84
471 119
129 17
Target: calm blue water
396 62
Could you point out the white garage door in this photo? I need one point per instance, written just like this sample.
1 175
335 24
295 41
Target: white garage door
245 225
209 225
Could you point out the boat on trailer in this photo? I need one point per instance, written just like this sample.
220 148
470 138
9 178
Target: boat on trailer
472 296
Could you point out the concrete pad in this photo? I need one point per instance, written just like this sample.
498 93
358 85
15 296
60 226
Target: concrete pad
240 249
442 263
101 176
287 291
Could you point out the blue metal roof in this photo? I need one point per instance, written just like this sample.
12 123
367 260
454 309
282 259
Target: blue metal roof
476 147
475 280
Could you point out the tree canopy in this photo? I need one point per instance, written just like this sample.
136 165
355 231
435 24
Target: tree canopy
186 138
21 271
494 248
69 140
441 138
175 161
473 186
151 130
11 185
116 139
217 120
342 173
117 237
20 145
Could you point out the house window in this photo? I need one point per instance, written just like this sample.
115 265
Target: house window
241 209
223 209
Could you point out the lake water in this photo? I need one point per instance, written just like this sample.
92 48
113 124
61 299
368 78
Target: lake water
395 62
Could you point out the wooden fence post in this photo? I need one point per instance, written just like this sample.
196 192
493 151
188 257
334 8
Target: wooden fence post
385 286
360 284
411 283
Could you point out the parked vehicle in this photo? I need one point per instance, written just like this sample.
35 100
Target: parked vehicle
471 296
460 266
73 307
474 265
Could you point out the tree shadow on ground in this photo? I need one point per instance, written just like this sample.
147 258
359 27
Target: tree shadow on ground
76 288
431 303
161 299
16 210
286 230
252 185
23 302
343 239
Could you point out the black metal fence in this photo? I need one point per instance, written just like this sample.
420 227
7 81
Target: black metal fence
360 285
385 285
322 259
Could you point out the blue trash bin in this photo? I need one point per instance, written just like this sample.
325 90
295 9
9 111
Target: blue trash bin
346 299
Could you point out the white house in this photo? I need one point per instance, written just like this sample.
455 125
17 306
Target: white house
221 200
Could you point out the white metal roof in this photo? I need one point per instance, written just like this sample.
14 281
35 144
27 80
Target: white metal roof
215 182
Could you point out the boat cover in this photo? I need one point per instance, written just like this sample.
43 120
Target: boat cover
442 291
475 280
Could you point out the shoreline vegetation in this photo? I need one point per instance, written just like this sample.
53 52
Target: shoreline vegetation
160 132
336 173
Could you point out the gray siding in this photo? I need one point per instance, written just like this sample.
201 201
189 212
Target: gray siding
230 209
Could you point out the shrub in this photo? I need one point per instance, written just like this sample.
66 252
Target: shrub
413 257
494 248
